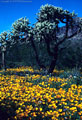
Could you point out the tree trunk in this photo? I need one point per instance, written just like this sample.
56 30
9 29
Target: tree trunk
3 60
53 62
36 55
52 65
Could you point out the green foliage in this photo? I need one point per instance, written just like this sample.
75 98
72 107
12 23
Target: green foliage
50 12
3 41
19 31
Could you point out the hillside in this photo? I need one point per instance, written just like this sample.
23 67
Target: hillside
73 46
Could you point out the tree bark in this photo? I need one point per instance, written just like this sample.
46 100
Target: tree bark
3 60
53 62
36 55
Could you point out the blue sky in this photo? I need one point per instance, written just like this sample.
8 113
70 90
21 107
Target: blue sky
11 10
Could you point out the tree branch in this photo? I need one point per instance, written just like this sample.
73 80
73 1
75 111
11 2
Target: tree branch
48 49
74 34
60 42
36 54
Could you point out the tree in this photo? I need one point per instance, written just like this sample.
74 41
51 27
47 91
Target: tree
22 33
19 31
47 29
3 44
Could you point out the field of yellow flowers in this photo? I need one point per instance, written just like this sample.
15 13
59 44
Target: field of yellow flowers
40 97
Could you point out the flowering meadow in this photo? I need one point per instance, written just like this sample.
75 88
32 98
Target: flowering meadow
40 97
